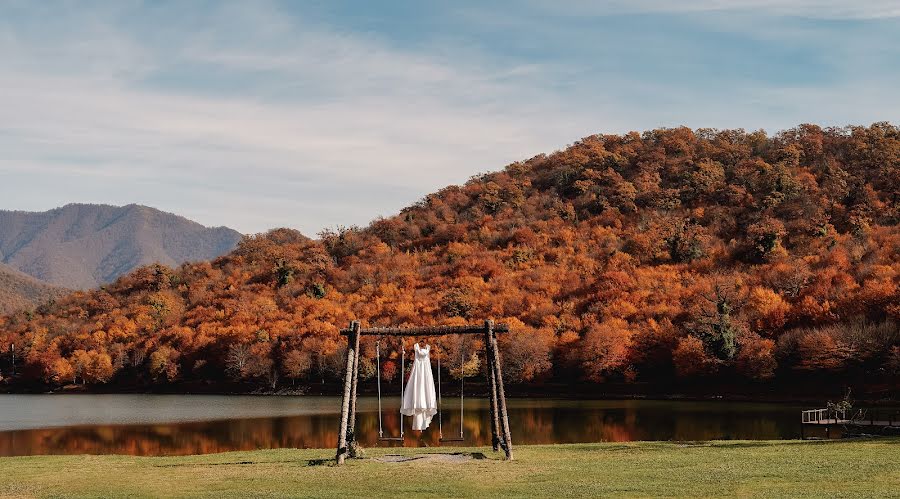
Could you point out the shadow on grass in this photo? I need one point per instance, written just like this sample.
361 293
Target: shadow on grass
722 445
750 444
181 465
690 444
329 461
309 462
449 458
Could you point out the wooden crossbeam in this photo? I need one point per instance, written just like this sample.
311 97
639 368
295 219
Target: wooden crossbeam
425 331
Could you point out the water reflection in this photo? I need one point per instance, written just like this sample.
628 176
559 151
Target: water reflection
531 421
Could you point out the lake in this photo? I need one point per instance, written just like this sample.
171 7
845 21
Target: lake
198 424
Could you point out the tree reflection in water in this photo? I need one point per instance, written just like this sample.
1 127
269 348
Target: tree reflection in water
532 422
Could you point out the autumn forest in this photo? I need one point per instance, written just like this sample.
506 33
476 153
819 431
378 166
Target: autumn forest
677 254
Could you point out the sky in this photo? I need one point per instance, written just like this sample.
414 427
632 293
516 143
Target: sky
319 114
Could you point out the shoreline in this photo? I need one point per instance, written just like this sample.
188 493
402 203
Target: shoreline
479 390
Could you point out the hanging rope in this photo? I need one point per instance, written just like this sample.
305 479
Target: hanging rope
440 403
378 377
462 390
462 386
402 380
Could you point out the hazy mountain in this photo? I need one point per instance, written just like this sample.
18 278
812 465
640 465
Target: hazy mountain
18 290
82 246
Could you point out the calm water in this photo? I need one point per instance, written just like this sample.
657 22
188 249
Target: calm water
196 424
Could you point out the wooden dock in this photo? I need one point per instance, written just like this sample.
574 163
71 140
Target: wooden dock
882 420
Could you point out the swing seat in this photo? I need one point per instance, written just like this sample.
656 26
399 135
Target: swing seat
462 386
378 370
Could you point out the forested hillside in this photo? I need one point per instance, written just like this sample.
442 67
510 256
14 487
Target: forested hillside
699 255
21 291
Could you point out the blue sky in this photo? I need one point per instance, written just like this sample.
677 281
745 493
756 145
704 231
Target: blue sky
315 114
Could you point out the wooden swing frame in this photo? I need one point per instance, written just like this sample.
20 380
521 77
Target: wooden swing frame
500 434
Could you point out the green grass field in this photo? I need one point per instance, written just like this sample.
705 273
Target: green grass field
869 468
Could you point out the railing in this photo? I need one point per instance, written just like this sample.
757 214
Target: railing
861 417
882 422
811 416
823 415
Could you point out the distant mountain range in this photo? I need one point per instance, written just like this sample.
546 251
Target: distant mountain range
82 246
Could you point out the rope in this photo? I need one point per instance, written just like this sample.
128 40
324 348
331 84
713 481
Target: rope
378 376
440 403
462 391
462 387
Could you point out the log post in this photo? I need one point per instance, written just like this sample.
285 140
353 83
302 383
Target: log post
351 424
501 395
492 378
352 341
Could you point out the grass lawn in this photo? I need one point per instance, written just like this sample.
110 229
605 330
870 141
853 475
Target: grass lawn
868 468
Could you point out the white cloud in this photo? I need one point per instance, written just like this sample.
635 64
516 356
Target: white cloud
247 117
376 116
814 9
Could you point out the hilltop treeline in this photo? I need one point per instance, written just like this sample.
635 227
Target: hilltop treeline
676 253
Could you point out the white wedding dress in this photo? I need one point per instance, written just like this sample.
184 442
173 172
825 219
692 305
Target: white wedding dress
419 400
